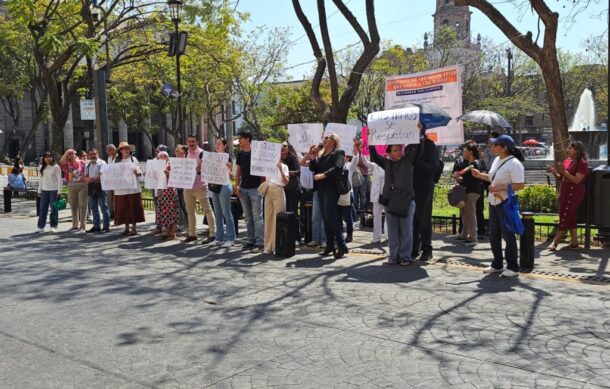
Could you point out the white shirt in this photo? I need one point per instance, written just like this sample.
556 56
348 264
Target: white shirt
111 159
377 179
121 192
92 169
50 179
277 180
504 171
306 178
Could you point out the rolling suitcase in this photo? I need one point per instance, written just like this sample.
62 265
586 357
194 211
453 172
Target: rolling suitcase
285 234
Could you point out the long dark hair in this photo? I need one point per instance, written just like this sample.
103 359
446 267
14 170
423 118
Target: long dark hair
581 154
515 152
44 161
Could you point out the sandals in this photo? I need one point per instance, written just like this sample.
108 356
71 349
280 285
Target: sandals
132 233
552 247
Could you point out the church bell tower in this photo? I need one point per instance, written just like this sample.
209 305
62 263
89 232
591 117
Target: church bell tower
450 15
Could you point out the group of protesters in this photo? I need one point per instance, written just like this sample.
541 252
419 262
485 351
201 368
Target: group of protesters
400 183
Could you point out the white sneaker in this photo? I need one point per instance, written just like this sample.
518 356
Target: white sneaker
216 243
39 230
313 243
509 273
490 270
53 230
297 243
228 244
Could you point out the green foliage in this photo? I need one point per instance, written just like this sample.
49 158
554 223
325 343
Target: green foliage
538 198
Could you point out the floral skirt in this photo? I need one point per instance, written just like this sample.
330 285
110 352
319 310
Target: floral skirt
167 207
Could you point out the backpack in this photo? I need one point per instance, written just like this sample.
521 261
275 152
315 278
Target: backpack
342 184
357 178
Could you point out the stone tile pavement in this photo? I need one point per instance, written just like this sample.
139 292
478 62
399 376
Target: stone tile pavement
105 311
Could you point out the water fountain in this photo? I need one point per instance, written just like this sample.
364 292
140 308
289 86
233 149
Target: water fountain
583 128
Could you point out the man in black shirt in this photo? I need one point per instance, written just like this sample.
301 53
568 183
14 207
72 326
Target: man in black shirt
247 190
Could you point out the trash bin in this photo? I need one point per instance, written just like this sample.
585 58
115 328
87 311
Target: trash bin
600 200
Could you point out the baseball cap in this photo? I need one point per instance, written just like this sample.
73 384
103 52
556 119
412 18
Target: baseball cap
503 140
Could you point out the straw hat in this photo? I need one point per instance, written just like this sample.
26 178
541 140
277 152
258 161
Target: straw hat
125 144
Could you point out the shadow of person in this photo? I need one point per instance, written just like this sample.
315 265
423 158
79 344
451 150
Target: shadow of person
493 283
384 274
312 262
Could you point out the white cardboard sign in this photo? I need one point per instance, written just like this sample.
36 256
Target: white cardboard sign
304 135
117 176
155 177
265 156
394 127
182 173
214 168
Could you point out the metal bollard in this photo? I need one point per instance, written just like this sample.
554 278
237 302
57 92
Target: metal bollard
308 221
526 249
8 194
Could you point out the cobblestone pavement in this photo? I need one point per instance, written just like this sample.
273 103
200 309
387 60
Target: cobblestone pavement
103 311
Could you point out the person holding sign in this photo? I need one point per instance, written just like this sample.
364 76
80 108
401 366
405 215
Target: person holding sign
398 199
167 205
275 202
247 190
327 165
128 202
199 192
97 197
221 199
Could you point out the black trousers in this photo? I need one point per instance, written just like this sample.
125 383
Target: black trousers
480 215
330 216
422 222
292 204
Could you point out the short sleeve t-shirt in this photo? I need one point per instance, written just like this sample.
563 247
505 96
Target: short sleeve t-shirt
248 181
505 171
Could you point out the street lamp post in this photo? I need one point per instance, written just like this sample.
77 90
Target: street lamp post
177 47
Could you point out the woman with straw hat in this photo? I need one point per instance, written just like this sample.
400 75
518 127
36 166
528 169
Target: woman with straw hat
128 202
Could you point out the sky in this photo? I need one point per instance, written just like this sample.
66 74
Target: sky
404 22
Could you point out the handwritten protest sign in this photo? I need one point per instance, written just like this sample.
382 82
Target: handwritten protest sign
214 168
155 177
117 176
346 134
364 135
183 172
396 126
265 156
304 135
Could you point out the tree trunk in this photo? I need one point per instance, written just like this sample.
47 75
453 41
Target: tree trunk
554 91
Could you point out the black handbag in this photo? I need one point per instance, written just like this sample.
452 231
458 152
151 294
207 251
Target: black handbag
94 189
398 201
215 188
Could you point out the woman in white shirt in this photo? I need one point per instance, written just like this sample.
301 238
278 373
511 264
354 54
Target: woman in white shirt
48 188
505 170
275 202
128 202
377 180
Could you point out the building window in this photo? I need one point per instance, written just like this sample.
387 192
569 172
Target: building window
529 120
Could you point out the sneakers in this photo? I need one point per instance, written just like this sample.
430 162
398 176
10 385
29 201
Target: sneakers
189 239
313 243
209 240
228 244
39 230
509 273
216 243
53 230
93 229
469 243
248 246
491 270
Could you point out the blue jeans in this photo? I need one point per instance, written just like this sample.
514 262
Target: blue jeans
400 235
497 231
360 194
317 231
95 204
47 198
222 212
252 206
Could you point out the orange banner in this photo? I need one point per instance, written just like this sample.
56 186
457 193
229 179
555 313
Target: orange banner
422 81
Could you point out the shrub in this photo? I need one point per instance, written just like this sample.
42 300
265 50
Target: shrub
538 198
